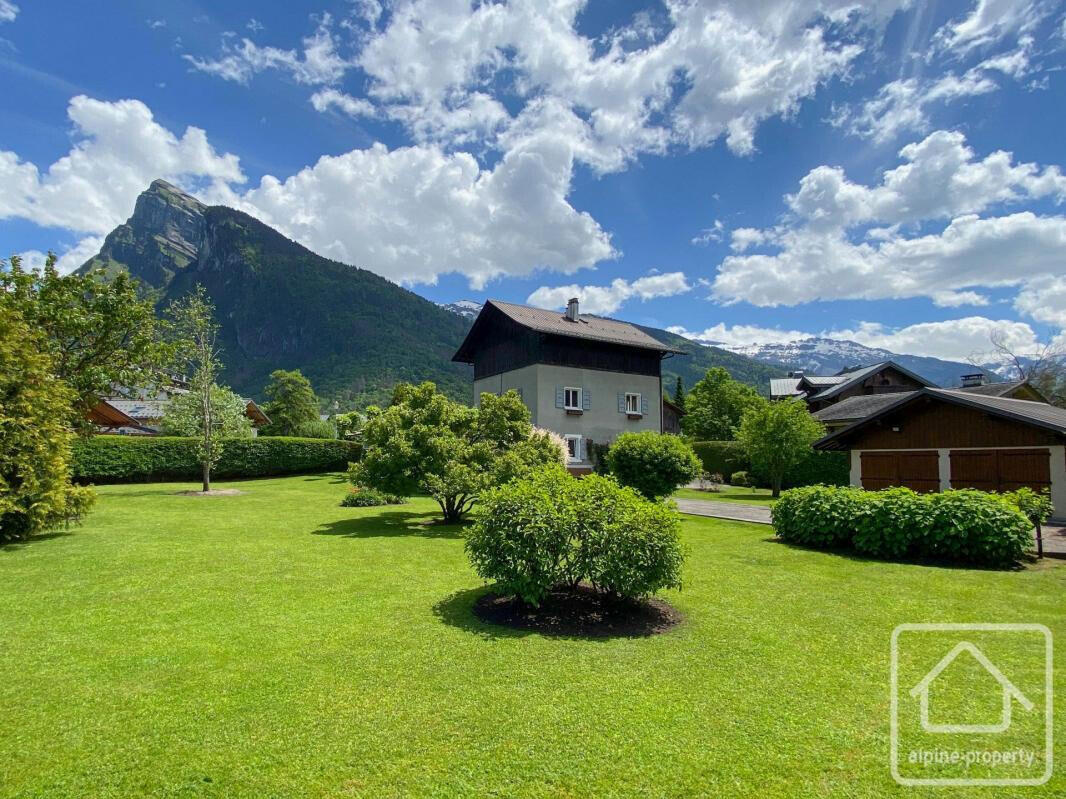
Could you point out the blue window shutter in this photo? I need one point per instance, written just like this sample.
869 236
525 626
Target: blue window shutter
558 396
586 400
621 403
644 405
580 449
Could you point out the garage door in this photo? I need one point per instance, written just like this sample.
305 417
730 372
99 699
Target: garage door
1001 469
916 469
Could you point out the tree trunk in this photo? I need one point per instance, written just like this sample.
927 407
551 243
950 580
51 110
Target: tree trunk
207 477
776 485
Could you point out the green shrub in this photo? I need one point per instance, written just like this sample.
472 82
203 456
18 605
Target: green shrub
316 428
129 459
358 497
1037 507
721 457
654 464
740 479
965 526
817 516
549 529
892 523
976 527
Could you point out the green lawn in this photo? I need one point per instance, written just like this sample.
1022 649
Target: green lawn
274 645
746 496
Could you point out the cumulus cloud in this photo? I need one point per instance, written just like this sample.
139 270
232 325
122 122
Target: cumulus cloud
318 62
119 149
952 339
69 259
409 214
8 11
819 252
711 71
608 299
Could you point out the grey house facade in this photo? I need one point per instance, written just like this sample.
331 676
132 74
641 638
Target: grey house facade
586 378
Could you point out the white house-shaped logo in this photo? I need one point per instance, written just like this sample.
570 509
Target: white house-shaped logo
1010 693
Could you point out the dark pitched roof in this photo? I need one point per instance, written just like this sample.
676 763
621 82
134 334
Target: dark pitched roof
859 407
594 328
1000 389
1037 414
858 375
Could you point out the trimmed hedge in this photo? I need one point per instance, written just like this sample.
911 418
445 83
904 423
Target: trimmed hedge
727 457
965 526
129 459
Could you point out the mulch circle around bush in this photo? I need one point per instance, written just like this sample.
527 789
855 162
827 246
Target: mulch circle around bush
582 611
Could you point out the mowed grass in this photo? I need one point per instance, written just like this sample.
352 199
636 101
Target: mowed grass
745 496
274 645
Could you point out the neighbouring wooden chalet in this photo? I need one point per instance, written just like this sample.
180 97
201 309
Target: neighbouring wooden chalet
934 439
821 391
119 415
584 377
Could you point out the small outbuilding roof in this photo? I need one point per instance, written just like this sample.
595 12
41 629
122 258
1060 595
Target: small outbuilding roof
1037 414
858 375
853 408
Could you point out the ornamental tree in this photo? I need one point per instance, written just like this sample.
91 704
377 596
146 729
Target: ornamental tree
100 335
777 436
425 442
184 414
291 404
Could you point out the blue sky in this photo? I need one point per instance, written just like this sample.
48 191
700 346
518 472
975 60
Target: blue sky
744 172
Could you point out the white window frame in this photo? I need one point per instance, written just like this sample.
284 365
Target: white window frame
576 457
566 393
636 411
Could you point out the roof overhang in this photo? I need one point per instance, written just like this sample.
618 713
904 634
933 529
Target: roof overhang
838 439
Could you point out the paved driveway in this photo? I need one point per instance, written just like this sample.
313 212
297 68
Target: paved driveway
1054 535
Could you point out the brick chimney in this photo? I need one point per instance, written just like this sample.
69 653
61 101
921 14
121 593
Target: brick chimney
571 309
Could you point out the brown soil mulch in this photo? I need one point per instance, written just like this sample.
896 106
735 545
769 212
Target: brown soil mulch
582 611
214 492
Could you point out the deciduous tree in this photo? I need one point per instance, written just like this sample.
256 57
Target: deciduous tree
291 403
715 405
777 436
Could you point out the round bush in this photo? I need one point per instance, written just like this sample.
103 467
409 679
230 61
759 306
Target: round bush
740 480
892 523
976 527
534 534
360 497
655 465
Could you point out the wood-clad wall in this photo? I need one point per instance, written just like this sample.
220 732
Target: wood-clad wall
937 424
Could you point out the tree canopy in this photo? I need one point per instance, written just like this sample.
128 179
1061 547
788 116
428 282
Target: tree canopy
291 403
715 406
426 442
777 436
100 335
184 414
35 409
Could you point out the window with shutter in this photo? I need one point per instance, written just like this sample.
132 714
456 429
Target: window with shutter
572 398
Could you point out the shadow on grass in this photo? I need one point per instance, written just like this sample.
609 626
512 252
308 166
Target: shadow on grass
929 563
389 525
333 477
11 546
485 613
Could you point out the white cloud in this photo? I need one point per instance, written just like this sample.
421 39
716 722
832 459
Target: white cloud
119 149
409 214
1044 299
608 299
710 234
903 105
992 20
8 11
716 70
956 299
318 63
71 257
818 258
952 339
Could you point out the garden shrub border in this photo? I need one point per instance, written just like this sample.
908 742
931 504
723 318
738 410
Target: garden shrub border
962 526
727 457
147 459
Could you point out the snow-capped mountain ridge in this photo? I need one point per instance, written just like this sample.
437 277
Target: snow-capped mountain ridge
827 356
